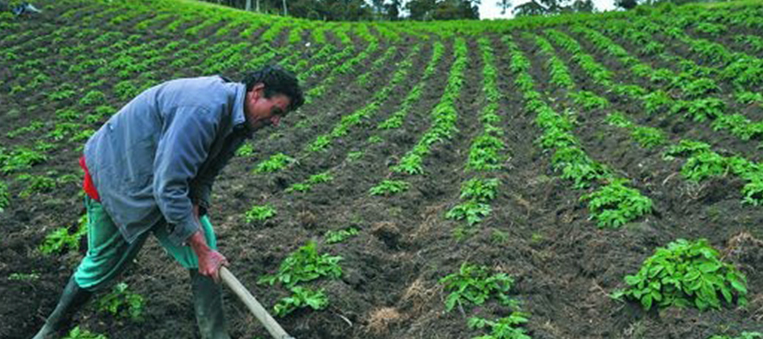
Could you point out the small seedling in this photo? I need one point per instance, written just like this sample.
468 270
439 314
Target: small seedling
481 190
122 303
303 265
474 285
648 137
409 164
471 211
743 335
301 297
4 196
503 328
260 213
389 187
333 237
24 276
352 156
245 150
274 164
77 333
60 238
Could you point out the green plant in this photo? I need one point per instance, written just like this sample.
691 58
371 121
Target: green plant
712 29
320 143
703 165
656 101
304 265
471 211
82 135
92 98
333 237
686 147
481 190
743 335
77 333
299 187
20 159
100 112
374 139
301 297
352 156
484 153
61 129
61 94
320 178
588 100
577 166
685 274
389 187
67 114
648 137
23 276
60 238
122 303
36 184
752 191
260 213
618 119
499 237
700 110
749 97
410 164
245 150
4 196
503 328
699 88
615 204
475 284
274 163
33 126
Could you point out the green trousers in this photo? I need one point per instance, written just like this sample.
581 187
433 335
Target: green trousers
108 253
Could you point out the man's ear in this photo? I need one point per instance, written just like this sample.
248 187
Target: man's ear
258 90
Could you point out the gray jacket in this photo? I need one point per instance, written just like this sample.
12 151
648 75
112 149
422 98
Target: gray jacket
161 152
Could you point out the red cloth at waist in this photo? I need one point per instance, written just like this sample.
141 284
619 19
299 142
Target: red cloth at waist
87 185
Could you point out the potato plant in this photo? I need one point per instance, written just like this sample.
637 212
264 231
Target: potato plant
121 303
686 274
302 266
473 285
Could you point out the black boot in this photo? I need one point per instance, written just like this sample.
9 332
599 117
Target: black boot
208 306
71 300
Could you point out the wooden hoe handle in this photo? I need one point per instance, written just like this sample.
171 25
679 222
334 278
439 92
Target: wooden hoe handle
259 312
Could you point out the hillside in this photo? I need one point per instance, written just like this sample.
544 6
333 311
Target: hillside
543 159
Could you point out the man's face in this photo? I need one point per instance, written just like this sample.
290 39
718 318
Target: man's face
262 111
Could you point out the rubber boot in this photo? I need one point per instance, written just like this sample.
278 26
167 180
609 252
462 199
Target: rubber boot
71 300
208 306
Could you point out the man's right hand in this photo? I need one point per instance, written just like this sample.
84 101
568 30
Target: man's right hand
210 261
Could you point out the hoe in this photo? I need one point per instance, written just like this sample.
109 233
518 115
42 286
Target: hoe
254 306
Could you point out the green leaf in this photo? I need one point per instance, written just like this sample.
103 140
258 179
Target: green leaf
646 301
632 280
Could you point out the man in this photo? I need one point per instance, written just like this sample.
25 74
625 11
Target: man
151 168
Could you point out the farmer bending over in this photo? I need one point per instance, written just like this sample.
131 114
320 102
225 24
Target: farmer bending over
150 169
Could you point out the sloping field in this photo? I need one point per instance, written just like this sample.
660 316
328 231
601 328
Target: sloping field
460 170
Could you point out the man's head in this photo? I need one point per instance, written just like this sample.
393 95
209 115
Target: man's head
271 93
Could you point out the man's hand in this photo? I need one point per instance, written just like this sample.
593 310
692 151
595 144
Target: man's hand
210 260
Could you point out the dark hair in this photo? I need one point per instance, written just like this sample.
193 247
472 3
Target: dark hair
277 80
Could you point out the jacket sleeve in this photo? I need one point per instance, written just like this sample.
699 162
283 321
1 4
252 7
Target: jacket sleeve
187 136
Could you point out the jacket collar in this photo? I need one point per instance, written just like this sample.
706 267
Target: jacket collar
239 118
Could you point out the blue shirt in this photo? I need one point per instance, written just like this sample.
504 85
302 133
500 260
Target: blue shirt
161 152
